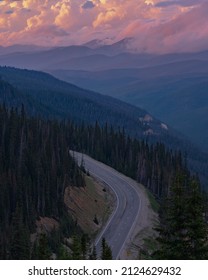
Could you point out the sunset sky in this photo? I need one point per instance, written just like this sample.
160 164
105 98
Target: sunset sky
157 25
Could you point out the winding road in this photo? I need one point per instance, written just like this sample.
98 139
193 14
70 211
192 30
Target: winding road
128 204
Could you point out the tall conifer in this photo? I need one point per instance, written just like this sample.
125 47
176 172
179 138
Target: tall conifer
183 229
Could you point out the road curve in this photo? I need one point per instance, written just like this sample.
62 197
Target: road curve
122 221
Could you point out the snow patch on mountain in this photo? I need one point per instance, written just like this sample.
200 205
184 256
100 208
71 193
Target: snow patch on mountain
164 126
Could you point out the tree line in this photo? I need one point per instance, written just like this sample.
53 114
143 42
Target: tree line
153 165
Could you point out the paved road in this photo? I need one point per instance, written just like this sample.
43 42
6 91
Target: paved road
121 223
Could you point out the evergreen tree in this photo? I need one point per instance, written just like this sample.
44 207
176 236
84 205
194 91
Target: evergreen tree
63 254
76 248
183 229
196 224
43 249
106 251
84 246
20 242
103 248
34 249
93 255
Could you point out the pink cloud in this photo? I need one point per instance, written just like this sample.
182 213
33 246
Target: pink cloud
157 25
186 32
183 3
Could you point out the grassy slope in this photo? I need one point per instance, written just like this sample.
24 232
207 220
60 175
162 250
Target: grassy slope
85 203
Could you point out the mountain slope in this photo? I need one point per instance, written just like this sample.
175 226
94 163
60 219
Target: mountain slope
179 89
47 96
65 100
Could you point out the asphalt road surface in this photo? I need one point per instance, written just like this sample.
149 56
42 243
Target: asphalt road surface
122 221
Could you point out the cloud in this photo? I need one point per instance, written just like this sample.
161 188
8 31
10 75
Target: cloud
157 25
182 3
107 17
185 33
64 15
49 31
88 5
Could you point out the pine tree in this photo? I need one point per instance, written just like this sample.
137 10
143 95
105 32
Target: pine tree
76 248
103 248
196 224
20 242
106 251
43 249
93 255
84 246
183 229
63 254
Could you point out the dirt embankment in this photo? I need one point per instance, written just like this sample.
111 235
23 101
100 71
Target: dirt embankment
90 206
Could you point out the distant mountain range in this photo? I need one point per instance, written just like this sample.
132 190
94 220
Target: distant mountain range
21 48
173 87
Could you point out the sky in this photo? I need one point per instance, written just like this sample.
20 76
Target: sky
157 26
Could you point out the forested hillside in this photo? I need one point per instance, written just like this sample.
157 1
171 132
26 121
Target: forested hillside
49 97
35 169
45 96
